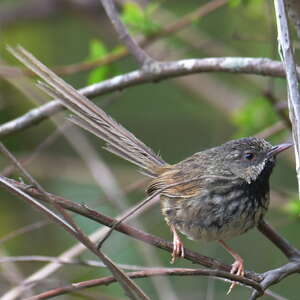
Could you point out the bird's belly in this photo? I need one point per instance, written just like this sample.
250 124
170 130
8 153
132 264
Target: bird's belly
214 218
211 230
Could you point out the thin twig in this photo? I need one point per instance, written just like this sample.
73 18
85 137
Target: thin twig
53 216
11 273
139 54
97 264
127 229
67 261
130 288
274 295
171 28
52 267
271 130
22 230
141 204
270 277
133 291
188 18
280 242
258 66
141 274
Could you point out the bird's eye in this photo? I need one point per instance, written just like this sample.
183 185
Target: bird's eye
249 155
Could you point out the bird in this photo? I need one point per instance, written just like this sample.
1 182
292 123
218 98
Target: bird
213 195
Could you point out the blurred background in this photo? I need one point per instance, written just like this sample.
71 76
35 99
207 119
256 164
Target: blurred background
175 117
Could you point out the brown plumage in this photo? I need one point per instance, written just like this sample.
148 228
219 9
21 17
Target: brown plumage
213 195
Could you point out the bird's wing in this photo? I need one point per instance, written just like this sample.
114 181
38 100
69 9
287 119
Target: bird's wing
174 182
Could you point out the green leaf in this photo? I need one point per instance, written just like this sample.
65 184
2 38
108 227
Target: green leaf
293 207
97 50
132 13
137 19
255 116
97 75
235 3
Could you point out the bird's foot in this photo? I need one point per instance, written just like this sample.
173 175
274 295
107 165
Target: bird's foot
178 249
237 269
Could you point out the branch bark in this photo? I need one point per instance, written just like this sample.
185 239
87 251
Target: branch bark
138 53
280 242
130 288
293 9
140 274
126 229
167 70
265 280
287 56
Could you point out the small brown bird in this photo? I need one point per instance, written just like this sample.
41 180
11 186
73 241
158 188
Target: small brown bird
215 194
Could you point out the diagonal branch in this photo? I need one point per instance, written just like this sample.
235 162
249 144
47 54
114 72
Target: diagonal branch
130 288
286 248
268 278
140 55
126 229
173 27
52 267
33 202
274 276
167 70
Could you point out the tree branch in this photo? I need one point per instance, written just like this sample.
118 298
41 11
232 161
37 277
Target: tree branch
140 55
141 274
280 242
287 56
66 261
22 230
126 229
169 29
130 288
167 70
274 276
293 9
267 279
50 268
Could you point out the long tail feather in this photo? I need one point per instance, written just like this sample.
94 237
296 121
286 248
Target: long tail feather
92 118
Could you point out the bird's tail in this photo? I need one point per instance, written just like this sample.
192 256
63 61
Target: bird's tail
92 118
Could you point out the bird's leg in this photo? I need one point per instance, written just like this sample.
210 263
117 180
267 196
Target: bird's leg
237 266
178 250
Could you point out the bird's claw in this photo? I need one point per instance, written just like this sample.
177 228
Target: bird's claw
237 269
178 249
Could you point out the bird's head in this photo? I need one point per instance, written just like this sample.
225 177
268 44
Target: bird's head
248 158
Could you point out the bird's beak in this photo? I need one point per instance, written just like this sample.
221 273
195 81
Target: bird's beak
279 148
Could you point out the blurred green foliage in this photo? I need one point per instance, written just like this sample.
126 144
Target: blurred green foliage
293 207
174 117
97 50
254 116
140 20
